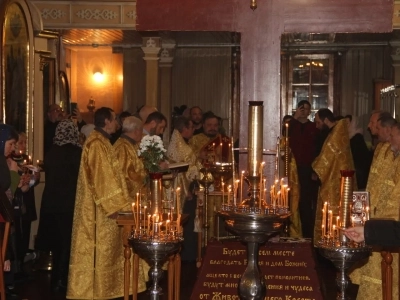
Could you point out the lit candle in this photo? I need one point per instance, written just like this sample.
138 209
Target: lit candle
144 216
367 212
233 160
30 159
324 211
133 213
37 162
229 193
334 230
330 215
287 196
137 208
220 152
337 222
277 159
178 200
241 186
223 192
265 195
178 224
148 224
167 224
235 191
323 221
286 130
261 177
323 230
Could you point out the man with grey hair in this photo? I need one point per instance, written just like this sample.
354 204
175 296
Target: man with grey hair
384 126
126 149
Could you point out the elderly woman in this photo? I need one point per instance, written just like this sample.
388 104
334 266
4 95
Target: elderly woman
58 201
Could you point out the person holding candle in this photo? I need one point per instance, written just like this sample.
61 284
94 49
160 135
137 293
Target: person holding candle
28 207
209 143
376 233
58 200
96 269
335 156
302 142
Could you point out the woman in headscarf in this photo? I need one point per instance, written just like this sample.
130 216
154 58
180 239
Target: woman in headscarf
58 201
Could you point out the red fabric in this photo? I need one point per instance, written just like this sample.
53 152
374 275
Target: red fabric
302 141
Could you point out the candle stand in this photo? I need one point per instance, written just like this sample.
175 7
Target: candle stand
251 218
334 245
156 238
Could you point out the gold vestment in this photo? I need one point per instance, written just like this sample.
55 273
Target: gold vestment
335 156
295 230
180 151
96 268
384 188
131 165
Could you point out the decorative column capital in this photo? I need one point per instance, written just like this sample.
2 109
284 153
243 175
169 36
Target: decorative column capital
151 46
167 54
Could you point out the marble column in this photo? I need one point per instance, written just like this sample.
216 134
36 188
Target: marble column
151 47
166 60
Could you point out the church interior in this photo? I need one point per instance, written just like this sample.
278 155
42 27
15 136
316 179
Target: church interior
217 55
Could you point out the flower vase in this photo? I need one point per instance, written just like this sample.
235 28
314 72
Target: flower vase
346 197
156 192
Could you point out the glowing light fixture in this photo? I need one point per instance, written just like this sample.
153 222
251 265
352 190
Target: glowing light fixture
98 77
253 4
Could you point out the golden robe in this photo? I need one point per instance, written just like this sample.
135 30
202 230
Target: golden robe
180 151
96 268
384 188
132 167
335 156
295 230
126 150
217 149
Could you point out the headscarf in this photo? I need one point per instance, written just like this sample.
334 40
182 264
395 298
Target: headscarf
7 133
67 133
354 128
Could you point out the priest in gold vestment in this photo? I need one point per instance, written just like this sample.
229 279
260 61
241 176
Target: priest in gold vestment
96 268
180 151
384 188
126 149
335 156
211 146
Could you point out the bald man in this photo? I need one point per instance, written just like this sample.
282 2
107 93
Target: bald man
145 111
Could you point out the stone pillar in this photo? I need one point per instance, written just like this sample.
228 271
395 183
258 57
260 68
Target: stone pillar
166 59
151 48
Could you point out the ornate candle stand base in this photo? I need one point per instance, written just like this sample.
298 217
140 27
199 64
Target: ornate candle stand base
221 172
155 252
253 229
343 258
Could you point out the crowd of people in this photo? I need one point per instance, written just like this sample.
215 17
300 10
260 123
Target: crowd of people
93 171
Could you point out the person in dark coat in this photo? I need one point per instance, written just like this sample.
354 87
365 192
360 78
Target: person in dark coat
58 201
376 232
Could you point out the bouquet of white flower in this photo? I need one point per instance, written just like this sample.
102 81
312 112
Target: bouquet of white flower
152 152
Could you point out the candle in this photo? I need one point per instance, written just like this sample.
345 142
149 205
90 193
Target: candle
223 192
287 196
330 222
137 209
167 224
229 193
286 130
277 160
241 185
178 224
261 178
30 159
178 200
144 216
235 192
148 224
367 212
324 211
233 160
323 221
133 213
37 162
337 221
334 230
265 195
220 152
323 230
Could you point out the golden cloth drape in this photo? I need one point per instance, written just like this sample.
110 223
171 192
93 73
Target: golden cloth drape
295 226
335 156
97 262
384 188
131 165
180 151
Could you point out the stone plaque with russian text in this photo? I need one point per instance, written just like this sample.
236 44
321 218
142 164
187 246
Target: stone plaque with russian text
288 267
